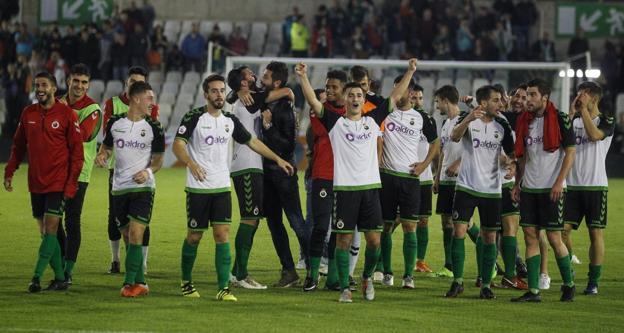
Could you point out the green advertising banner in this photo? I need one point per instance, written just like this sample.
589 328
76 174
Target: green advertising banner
74 12
596 19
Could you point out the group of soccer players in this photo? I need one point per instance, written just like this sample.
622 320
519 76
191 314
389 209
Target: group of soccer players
375 164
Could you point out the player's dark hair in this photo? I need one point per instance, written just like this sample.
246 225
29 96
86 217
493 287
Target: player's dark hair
411 85
211 78
318 92
350 85
138 87
418 87
80 69
541 85
448 93
279 72
484 93
235 77
358 73
134 70
48 76
592 88
499 87
338 75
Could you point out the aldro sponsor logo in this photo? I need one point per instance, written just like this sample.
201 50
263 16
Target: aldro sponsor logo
392 127
121 144
212 140
530 140
359 137
485 144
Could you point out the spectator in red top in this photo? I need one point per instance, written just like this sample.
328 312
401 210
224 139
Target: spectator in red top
49 132
322 40
237 42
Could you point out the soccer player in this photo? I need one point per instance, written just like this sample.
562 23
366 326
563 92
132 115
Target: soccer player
545 148
115 106
322 175
201 144
90 118
587 181
246 169
138 143
483 135
49 133
356 175
400 169
447 99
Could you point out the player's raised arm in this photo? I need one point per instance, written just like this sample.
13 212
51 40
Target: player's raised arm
402 86
460 129
308 92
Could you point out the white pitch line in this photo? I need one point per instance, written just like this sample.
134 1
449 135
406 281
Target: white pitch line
43 330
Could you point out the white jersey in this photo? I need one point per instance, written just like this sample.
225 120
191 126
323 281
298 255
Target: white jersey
482 145
133 144
507 183
451 150
588 171
542 167
402 134
354 143
243 158
208 140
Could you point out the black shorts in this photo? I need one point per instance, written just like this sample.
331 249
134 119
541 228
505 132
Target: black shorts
360 209
489 210
538 211
206 209
508 206
591 205
446 195
136 206
322 202
426 198
402 193
52 203
249 187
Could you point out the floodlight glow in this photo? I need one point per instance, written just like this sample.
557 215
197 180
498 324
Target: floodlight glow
579 73
562 73
593 73
570 73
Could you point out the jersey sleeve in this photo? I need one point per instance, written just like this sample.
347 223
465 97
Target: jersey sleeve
90 126
108 113
108 135
259 101
76 151
606 125
158 143
429 128
240 134
187 126
328 119
508 140
567 132
381 111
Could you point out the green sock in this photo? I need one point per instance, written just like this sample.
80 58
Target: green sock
422 234
479 243
509 246
332 272
315 263
223 260
342 263
134 261
410 246
594 273
489 259
473 232
242 244
448 244
458 253
370 259
140 275
380 265
189 253
56 261
386 252
565 268
69 266
46 249
533 270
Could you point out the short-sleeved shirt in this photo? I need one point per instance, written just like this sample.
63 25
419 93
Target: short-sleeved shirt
354 143
243 158
482 144
542 167
133 144
402 133
588 171
452 150
426 178
208 139
508 183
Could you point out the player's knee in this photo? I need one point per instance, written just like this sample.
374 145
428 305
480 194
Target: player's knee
409 227
193 238
424 222
343 241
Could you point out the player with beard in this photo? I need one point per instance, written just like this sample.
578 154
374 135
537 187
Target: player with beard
49 132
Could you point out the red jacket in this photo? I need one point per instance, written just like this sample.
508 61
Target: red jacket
323 157
55 152
108 109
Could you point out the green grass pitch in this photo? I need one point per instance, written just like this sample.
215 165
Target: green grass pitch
93 302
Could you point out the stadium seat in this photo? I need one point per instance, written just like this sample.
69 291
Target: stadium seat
156 77
463 86
172 37
185 98
191 77
164 110
156 87
226 28
187 26
171 87
174 76
164 122
114 86
199 100
619 104
189 88
173 26
444 81
478 83
96 87
166 97
205 27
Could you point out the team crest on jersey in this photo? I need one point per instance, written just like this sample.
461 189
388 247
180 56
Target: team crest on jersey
193 223
55 124
117 222
323 193
227 128
256 210
455 215
366 127
182 129
143 132
412 121
339 224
